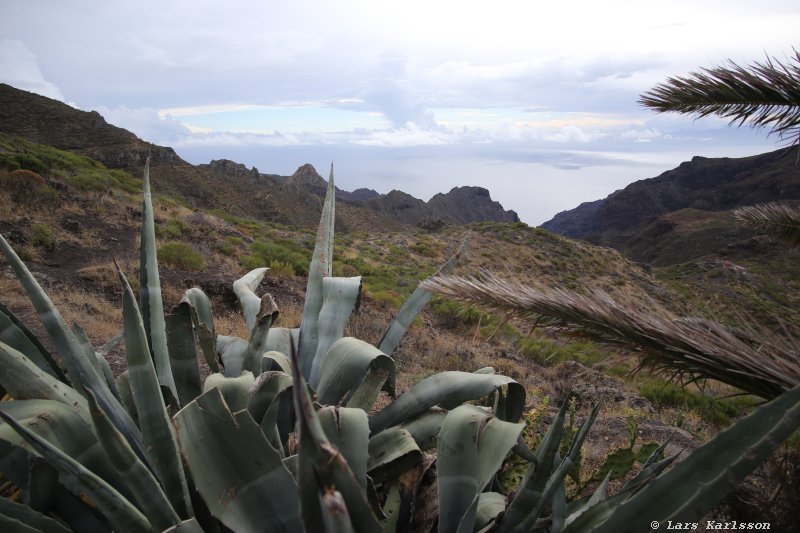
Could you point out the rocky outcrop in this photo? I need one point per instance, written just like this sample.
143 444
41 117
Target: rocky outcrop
307 176
470 204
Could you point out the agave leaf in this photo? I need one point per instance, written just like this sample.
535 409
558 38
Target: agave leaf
157 430
41 488
321 464
24 380
559 508
556 479
203 321
235 391
269 399
81 481
321 267
348 430
81 370
257 344
182 353
349 363
240 476
15 334
391 453
62 426
424 428
532 486
690 488
30 518
97 359
340 296
150 292
232 351
282 339
490 504
334 512
447 389
276 361
264 391
244 288
126 395
137 477
414 304
471 448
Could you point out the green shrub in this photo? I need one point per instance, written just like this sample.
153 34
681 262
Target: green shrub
42 236
31 162
181 255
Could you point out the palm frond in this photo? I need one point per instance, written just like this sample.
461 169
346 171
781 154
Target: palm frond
763 94
692 348
777 219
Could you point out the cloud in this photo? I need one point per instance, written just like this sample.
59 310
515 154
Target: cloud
146 123
19 68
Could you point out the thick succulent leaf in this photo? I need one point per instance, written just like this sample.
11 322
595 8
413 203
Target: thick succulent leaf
490 505
41 488
447 389
424 428
559 508
235 391
321 267
348 430
14 333
414 304
30 518
244 288
471 448
282 339
240 476
556 479
203 321
120 512
270 398
126 395
97 359
265 390
183 354
81 370
25 380
62 426
532 486
150 292
157 430
350 363
391 453
232 352
321 464
340 296
692 487
140 482
276 361
257 344
334 512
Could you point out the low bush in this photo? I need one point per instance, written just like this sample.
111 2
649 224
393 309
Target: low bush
181 255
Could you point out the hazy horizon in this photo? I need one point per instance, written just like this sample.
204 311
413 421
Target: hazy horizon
538 104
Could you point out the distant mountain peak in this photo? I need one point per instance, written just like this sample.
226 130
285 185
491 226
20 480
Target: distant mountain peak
307 175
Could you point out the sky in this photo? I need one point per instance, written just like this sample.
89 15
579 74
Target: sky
535 101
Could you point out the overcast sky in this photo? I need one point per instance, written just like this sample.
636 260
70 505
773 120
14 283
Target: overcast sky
535 101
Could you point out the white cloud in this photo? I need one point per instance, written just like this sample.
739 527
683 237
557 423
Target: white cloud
19 68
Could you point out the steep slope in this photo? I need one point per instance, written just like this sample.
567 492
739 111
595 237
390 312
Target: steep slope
708 184
470 204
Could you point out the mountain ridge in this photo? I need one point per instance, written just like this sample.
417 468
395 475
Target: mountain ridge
248 191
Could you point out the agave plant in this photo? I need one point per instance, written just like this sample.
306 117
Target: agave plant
284 434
